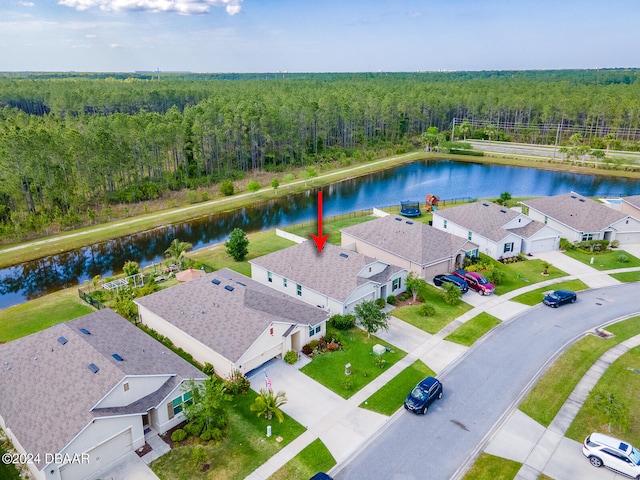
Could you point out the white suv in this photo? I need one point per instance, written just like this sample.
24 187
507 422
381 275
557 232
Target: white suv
614 454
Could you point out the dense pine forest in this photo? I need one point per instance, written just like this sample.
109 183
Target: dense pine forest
71 145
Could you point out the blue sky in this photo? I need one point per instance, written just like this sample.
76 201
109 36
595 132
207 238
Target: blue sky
316 35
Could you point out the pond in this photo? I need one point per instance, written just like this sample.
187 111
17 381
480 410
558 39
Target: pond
446 178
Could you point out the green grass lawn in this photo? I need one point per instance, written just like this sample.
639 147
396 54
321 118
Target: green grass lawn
245 448
604 261
535 297
260 243
521 274
444 315
623 383
314 458
470 331
328 368
330 226
627 276
35 315
7 471
547 397
391 396
490 467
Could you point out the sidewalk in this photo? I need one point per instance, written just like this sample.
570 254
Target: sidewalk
344 427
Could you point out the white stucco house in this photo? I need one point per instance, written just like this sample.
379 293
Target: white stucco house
231 321
83 394
630 206
498 231
335 280
409 244
579 219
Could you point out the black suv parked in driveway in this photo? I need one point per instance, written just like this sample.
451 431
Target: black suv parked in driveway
438 280
423 395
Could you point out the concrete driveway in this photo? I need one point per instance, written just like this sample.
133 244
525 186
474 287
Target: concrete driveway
131 467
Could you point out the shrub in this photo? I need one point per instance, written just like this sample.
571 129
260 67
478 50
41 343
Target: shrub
322 344
208 369
392 300
419 299
347 383
615 244
313 344
427 310
333 336
307 350
216 434
206 435
380 362
342 322
495 276
237 383
622 258
179 436
198 457
380 302
333 346
403 296
566 244
227 188
291 357
193 428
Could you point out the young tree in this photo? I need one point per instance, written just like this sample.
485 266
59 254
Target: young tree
504 198
208 405
227 188
490 131
268 404
308 174
465 129
598 155
451 294
414 284
253 186
237 245
275 184
371 317
611 408
177 249
131 268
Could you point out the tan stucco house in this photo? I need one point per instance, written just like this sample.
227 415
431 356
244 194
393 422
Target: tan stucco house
231 321
82 395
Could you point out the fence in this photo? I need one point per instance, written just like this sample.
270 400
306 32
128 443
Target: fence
90 300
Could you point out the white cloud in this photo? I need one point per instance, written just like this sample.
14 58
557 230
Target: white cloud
184 7
90 35
115 45
26 4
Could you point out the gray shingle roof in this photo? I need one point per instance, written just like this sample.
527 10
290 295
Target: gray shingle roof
47 390
632 200
485 218
578 212
226 321
415 241
334 272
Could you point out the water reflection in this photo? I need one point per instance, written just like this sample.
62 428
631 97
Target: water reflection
448 179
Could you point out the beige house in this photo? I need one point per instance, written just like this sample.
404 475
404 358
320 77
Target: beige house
631 206
409 244
231 321
81 395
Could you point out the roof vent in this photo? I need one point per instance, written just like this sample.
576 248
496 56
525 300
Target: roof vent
241 284
62 340
228 287
398 219
409 222
93 367
117 357
85 331
485 204
573 196
215 281
503 210
344 255
582 199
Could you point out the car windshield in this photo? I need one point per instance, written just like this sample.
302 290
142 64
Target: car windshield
482 281
635 455
418 394
554 296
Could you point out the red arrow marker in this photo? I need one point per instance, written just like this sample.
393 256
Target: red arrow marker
319 239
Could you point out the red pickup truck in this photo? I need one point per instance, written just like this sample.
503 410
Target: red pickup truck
476 282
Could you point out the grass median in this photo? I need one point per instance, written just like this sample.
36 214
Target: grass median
534 297
470 331
490 467
314 458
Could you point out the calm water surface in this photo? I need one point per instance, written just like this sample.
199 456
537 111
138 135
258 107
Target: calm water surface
445 178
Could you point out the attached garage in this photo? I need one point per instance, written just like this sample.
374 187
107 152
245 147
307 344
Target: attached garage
628 237
100 457
542 245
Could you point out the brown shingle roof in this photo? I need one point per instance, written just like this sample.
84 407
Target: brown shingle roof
578 212
334 272
47 390
228 321
413 240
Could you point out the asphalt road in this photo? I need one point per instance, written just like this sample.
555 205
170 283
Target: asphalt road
480 388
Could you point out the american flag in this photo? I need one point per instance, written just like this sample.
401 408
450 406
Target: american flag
267 381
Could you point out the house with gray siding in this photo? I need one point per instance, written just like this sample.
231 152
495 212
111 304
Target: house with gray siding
81 395
231 321
335 280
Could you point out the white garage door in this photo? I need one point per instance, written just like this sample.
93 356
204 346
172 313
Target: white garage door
543 245
628 237
99 457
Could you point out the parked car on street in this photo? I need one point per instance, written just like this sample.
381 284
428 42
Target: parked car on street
423 394
476 282
610 452
439 280
560 297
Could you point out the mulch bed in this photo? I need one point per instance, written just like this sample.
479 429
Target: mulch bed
407 302
144 450
167 436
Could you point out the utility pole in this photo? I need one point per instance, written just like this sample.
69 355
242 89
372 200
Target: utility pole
555 146
453 127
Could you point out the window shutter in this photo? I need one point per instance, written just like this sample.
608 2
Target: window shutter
170 410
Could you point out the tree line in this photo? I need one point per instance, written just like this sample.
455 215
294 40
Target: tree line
71 145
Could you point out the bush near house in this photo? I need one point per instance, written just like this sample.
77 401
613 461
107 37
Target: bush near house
342 322
291 357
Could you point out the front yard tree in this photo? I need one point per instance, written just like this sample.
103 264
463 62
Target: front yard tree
451 294
207 408
371 317
268 404
611 408
237 245
414 284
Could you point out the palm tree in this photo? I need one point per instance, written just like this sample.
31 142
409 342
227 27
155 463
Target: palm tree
490 131
609 138
268 404
177 249
465 129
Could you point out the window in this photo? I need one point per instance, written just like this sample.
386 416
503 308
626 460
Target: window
508 247
445 224
397 283
546 219
269 277
126 386
587 236
188 400
311 331
299 290
178 403
469 235
284 282
318 328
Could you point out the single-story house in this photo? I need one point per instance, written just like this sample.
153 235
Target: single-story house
580 219
80 395
499 232
631 206
412 245
335 280
231 321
